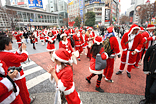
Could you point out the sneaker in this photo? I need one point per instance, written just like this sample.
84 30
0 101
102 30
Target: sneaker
129 75
119 72
110 81
78 59
88 81
139 63
136 66
99 89
32 99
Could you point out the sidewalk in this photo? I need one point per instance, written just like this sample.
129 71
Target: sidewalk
92 98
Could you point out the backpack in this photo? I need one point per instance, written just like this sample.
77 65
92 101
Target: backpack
107 46
99 63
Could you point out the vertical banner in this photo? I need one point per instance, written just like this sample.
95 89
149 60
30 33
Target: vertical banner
103 15
107 15
81 9
35 3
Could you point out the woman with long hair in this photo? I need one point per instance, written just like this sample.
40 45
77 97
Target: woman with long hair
62 75
95 49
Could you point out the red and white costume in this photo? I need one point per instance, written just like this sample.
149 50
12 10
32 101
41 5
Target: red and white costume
18 35
108 72
15 59
66 45
134 45
36 34
41 35
51 45
71 31
65 77
78 39
8 96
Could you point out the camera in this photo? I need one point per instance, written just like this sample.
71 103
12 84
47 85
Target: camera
14 68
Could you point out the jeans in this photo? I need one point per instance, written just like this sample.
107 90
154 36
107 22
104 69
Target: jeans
150 90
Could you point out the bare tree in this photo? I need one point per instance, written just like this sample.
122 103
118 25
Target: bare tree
146 12
124 19
13 18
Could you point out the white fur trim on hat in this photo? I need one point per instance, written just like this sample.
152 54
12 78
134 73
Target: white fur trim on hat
98 43
136 27
150 28
59 59
63 35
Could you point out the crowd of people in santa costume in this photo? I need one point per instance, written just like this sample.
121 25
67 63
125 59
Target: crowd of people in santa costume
73 42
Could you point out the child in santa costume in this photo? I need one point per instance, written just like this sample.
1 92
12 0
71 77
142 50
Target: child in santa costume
9 91
62 75
108 72
131 43
51 46
95 49
14 59
18 35
78 39
89 41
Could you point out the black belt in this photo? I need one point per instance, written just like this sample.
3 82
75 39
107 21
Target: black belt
77 40
129 50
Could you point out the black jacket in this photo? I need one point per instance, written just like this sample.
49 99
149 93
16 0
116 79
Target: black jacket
25 34
150 60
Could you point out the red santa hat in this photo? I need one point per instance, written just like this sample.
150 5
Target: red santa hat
110 29
141 29
15 33
133 27
150 27
89 28
62 35
98 40
62 55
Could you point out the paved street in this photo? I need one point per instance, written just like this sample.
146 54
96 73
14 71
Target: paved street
122 91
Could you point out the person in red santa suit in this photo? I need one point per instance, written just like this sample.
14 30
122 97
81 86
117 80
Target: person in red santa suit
131 43
65 43
108 72
138 58
51 46
149 36
14 59
95 49
89 41
78 39
81 29
62 75
85 44
71 31
36 34
18 35
42 36
9 91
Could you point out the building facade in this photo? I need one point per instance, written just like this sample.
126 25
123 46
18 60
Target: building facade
33 18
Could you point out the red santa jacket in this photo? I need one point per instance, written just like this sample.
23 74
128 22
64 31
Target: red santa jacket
18 36
92 69
14 59
7 96
71 31
149 37
41 35
114 46
66 84
78 39
66 45
134 45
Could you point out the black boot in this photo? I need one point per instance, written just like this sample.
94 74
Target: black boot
34 48
99 89
144 101
88 81
129 75
119 72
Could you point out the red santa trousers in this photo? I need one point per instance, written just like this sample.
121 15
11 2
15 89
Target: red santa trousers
19 45
23 90
80 49
88 53
18 100
108 71
129 67
138 58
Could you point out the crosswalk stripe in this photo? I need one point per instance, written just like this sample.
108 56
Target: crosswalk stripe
32 70
33 82
28 64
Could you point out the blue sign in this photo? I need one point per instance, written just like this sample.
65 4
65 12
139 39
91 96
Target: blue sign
35 3
31 20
